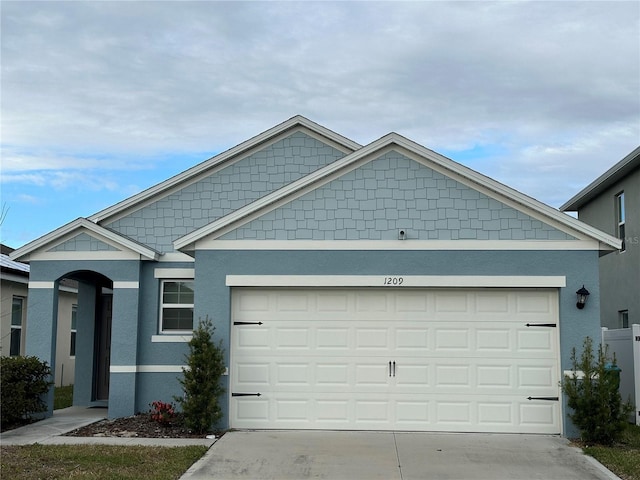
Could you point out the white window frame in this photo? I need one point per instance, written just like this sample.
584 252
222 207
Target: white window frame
620 219
163 306
17 327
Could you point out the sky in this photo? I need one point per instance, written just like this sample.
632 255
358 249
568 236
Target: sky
100 100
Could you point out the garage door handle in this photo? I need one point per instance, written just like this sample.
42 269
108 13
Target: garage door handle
549 399
394 369
389 368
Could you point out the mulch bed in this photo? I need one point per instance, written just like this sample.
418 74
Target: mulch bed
140 425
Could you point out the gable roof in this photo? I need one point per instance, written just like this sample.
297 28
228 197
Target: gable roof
417 152
604 181
297 122
78 226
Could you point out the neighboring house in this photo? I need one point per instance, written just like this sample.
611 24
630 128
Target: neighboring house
611 203
13 311
380 287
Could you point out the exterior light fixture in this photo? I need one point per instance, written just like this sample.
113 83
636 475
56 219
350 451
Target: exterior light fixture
582 294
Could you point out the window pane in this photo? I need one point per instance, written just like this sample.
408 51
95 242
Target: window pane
74 317
624 318
178 292
16 333
621 212
177 318
72 350
16 311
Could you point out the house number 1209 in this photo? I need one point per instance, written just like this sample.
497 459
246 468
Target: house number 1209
393 281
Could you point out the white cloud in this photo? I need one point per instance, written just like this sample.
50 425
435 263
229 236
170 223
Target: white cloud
545 92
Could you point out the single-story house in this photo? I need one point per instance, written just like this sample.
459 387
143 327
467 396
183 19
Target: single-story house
379 287
14 287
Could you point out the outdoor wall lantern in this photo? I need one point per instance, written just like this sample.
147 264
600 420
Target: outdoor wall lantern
582 294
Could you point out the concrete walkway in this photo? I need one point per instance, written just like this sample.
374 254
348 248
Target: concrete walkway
393 456
50 431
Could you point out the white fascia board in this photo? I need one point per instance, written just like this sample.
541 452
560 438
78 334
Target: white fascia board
12 277
89 256
73 228
400 245
220 161
397 281
453 169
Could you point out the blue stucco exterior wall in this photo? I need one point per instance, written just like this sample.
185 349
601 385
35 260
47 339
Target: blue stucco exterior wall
157 225
213 297
393 193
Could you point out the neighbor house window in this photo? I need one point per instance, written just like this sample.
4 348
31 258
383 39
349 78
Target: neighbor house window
17 314
177 305
620 218
74 320
623 316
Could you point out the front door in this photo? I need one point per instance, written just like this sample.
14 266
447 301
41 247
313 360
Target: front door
103 347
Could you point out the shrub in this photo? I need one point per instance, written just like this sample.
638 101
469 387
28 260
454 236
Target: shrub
201 382
24 382
594 396
163 413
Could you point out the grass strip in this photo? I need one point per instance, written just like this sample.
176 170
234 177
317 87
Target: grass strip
623 458
62 397
86 462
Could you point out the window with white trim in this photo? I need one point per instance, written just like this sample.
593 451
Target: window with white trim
620 218
176 309
74 319
17 316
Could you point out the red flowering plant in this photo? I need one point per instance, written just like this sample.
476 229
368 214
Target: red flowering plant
162 412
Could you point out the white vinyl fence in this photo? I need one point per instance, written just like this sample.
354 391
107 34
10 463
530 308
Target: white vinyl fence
625 343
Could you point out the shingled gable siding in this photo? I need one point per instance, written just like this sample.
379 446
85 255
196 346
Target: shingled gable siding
392 193
83 243
159 224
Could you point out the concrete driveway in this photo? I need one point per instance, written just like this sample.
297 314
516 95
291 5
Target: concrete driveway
332 455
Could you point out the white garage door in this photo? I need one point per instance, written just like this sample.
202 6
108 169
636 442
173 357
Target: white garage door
482 360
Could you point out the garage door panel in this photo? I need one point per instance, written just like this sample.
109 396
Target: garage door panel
369 375
251 338
252 374
452 339
332 338
411 339
396 359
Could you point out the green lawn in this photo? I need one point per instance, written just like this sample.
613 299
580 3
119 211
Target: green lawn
623 458
62 397
108 462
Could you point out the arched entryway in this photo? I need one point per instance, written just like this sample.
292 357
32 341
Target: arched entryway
93 337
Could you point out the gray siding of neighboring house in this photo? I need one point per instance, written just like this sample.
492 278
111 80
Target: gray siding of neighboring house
619 272
157 225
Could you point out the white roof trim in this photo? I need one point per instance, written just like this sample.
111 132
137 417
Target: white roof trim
79 225
248 212
604 181
396 282
297 121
